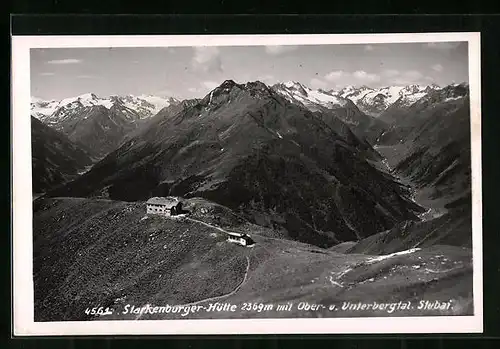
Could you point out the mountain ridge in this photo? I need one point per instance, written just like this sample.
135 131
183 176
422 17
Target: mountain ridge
374 101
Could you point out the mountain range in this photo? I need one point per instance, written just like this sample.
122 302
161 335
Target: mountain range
86 118
371 101
54 111
234 146
231 146
374 101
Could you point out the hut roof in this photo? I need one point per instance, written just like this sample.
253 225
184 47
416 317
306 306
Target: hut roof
168 201
235 234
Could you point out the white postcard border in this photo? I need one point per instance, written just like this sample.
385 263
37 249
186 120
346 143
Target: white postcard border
23 299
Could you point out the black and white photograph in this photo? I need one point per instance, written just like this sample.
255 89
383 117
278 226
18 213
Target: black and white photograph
332 180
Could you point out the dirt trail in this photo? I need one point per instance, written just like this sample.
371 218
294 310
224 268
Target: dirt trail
208 225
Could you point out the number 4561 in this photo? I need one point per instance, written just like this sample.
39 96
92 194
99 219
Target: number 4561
97 311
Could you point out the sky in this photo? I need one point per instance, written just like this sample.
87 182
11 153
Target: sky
188 72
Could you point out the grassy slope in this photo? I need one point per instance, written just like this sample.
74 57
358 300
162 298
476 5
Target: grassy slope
90 252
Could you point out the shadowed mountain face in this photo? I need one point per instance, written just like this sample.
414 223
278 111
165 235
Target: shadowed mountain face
165 113
98 129
276 163
331 107
441 155
366 128
55 159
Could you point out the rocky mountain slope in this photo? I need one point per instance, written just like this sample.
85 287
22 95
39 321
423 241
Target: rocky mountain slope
55 159
99 129
98 124
234 146
431 144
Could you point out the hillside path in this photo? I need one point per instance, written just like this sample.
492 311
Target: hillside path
208 225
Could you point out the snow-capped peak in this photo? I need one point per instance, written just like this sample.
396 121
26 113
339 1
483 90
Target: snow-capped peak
347 90
433 86
374 101
295 86
158 102
87 96
86 100
297 92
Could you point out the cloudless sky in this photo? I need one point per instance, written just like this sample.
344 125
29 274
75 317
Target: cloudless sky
186 72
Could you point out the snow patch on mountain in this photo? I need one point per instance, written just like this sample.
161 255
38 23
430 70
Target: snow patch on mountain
375 101
86 100
41 108
449 99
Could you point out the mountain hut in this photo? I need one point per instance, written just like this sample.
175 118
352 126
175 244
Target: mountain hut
240 239
168 206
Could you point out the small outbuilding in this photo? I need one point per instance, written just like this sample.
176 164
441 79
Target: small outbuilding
240 239
168 206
